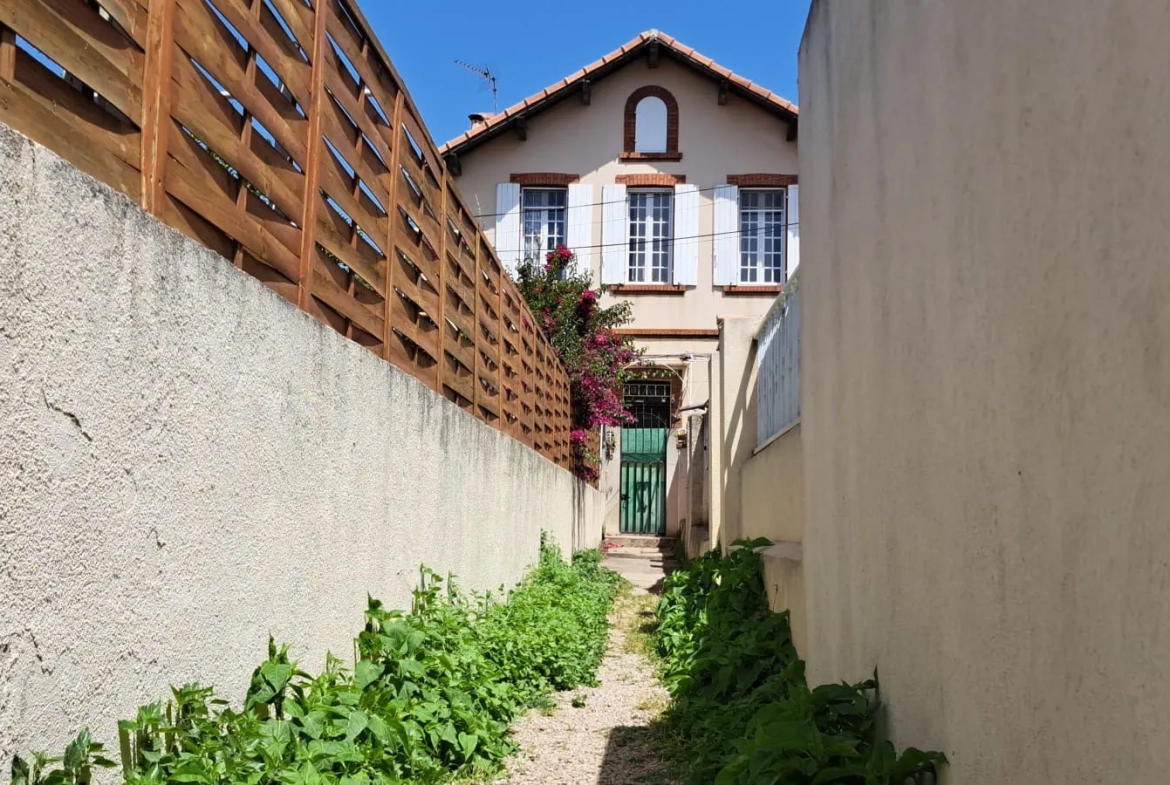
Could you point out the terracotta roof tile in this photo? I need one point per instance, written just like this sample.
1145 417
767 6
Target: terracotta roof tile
702 61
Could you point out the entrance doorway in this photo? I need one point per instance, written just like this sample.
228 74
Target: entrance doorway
643 469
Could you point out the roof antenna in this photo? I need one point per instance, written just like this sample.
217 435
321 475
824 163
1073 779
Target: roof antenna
486 74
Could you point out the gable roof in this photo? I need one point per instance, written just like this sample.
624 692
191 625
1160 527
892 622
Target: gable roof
496 124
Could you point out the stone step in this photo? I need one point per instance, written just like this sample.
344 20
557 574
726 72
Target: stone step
644 575
642 553
625 541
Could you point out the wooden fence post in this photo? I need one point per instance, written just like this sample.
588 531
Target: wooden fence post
502 420
313 146
441 284
393 217
7 53
156 103
476 387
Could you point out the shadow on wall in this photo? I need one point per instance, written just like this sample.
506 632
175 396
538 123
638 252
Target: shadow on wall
737 449
581 539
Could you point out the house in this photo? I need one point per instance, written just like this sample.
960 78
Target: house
675 182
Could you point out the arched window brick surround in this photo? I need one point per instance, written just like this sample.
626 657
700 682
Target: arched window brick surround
631 125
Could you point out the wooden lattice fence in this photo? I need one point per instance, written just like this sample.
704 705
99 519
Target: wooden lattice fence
278 134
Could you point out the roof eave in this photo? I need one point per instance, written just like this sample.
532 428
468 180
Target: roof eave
574 87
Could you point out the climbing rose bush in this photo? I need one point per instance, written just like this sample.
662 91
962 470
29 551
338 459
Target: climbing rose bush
584 336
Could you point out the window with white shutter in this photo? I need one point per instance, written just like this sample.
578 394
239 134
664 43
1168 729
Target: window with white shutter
725 231
686 235
580 229
614 234
793 237
508 225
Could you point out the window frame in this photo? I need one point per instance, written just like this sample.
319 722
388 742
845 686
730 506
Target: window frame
545 210
629 140
759 269
647 266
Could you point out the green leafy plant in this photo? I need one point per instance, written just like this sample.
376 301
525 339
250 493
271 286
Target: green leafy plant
741 711
75 767
430 698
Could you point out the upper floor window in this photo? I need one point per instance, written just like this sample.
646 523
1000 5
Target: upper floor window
651 236
761 236
650 125
542 221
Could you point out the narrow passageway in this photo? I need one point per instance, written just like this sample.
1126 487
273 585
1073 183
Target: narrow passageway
605 735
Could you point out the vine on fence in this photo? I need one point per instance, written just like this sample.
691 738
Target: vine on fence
585 338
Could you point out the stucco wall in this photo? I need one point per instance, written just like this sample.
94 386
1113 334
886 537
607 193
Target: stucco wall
784 581
986 369
733 414
772 490
188 464
715 141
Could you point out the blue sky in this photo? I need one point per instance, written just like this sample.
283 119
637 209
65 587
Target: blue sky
530 44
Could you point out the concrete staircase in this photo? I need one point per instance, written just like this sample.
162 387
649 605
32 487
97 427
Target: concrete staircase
643 561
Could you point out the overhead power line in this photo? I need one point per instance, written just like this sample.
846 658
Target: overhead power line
622 201
647 241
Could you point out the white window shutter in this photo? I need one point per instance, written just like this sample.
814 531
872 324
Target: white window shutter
615 228
686 235
508 239
579 232
725 227
793 238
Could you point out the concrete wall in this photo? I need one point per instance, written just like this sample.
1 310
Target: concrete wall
733 416
783 564
772 490
188 464
715 141
986 368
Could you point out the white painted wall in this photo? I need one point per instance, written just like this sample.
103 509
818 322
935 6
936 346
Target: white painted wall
189 464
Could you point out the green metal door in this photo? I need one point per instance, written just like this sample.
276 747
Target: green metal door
643 499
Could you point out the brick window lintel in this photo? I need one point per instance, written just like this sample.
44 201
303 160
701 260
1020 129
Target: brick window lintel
544 179
651 180
762 180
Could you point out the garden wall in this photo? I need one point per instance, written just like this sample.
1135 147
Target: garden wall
986 377
188 464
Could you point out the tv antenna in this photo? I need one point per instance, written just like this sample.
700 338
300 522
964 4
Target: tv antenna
488 76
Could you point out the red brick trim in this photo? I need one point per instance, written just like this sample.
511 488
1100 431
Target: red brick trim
759 180
650 179
771 291
671 118
647 288
661 333
545 179
650 157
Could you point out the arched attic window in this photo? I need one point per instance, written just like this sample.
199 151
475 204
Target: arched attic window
651 125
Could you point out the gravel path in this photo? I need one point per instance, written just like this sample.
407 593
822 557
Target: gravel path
608 741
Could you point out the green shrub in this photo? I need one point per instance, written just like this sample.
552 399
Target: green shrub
431 697
741 711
